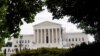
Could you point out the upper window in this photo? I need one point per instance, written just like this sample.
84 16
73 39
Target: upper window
76 39
69 40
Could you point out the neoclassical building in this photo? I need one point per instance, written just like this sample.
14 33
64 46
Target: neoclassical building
46 34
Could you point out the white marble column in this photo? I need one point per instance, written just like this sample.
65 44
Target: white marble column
44 35
38 36
52 36
60 39
49 35
41 36
56 35
35 35
59 35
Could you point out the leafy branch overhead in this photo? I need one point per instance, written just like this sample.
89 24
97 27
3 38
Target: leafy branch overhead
13 11
85 13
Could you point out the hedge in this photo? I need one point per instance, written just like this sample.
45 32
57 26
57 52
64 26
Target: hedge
1 54
81 50
43 52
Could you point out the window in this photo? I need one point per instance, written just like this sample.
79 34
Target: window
76 39
82 39
69 40
79 39
19 41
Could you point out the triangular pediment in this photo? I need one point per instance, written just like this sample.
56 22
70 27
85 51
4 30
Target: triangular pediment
47 23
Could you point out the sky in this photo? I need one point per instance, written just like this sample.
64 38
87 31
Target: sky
47 16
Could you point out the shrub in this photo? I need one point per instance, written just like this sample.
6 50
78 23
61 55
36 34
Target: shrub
43 52
1 54
81 50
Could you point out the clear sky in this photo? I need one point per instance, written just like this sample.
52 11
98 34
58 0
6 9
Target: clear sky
46 16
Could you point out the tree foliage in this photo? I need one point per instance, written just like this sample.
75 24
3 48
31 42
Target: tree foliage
80 50
1 54
85 13
86 50
12 12
2 43
43 52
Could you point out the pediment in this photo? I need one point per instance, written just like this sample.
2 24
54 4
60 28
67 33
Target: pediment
47 23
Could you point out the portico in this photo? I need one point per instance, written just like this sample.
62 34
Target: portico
48 33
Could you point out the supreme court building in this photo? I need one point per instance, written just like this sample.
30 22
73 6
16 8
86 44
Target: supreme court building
47 34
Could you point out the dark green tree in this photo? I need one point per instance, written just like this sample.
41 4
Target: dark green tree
85 13
1 54
12 12
2 42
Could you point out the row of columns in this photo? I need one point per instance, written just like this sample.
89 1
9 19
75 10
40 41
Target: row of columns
48 35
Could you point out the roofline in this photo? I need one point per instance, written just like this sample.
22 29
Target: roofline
47 21
74 32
